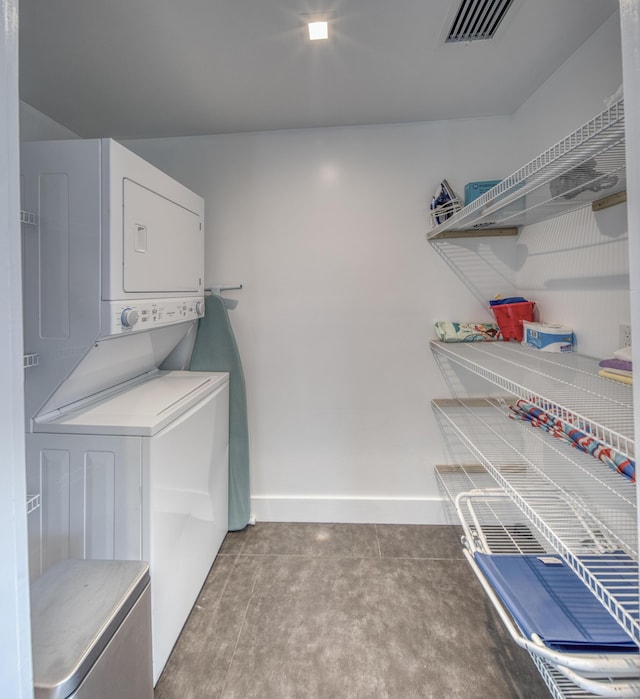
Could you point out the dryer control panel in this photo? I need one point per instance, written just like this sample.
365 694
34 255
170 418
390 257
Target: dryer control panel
120 317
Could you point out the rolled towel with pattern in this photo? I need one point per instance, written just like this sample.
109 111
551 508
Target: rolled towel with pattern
537 417
448 331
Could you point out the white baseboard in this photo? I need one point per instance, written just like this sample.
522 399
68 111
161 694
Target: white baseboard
295 508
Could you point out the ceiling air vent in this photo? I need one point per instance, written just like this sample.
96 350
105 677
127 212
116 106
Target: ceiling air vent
477 19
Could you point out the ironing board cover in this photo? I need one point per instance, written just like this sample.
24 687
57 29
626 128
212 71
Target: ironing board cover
551 601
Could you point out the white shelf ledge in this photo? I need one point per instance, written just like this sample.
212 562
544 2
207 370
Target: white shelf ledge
567 384
562 492
585 167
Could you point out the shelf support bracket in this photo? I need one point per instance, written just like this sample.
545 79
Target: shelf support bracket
611 200
476 233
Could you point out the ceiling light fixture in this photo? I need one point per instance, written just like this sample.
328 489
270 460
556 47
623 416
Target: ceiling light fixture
318 30
319 26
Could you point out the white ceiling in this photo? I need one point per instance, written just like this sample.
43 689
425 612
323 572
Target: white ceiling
152 68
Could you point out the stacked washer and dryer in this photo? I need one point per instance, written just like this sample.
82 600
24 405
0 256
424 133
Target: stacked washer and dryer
131 462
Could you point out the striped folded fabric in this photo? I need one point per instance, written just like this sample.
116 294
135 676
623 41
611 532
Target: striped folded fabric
536 416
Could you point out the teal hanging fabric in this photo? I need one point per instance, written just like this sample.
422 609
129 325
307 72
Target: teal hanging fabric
215 349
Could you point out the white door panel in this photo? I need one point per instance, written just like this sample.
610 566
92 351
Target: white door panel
162 243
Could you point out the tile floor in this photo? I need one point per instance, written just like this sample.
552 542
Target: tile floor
339 611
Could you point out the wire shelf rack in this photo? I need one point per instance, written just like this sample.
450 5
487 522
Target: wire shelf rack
494 518
559 685
492 523
562 492
586 166
33 503
30 360
566 385
28 218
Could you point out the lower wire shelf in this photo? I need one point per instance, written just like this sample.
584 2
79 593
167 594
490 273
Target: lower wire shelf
576 505
494 528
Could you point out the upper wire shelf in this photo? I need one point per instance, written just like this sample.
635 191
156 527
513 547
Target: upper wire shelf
566 385
585 167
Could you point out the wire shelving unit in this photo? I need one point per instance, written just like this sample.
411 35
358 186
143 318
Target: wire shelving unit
585 167
566 384
533 493
492 523
562 492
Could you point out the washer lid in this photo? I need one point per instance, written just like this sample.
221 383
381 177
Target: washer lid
142 410
76 607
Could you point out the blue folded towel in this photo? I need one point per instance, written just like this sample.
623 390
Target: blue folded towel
511 299
551 601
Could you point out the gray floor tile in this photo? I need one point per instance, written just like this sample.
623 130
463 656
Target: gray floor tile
198 665
304 539
363 628
417 541
234 541
314 612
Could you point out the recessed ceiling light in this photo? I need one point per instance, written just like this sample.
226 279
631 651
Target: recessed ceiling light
318 26
318 30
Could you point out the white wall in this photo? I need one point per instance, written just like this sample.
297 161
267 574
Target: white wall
326 231
572 95
36 126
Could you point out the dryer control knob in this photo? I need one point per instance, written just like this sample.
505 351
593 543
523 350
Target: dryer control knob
199 308
129 317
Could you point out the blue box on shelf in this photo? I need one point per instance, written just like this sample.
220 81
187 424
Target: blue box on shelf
473 190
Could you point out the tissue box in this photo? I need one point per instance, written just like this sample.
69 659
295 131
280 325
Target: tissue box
547 337
473 190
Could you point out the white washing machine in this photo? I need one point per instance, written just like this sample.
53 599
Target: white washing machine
141 475
130 462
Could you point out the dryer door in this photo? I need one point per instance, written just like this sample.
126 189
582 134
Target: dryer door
162 244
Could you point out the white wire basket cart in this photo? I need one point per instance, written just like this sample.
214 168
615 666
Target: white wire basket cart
493 525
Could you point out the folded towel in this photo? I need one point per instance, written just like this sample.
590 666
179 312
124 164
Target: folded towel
511 299
548 599
618 372
624 353
537 417
615 377
466 332
616 364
